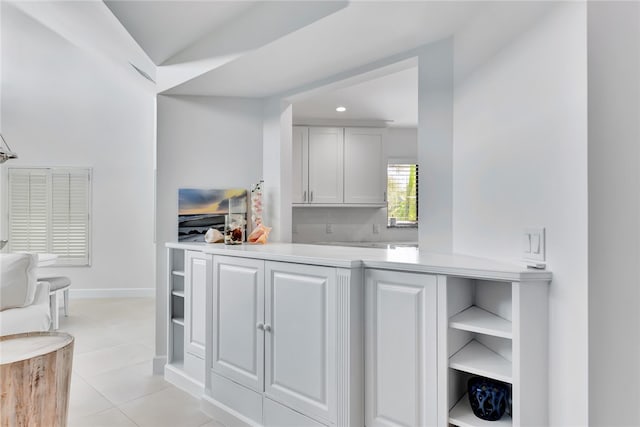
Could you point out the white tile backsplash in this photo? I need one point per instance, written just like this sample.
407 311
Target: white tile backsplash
348 225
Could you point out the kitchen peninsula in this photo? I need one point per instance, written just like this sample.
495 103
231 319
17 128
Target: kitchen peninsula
293 334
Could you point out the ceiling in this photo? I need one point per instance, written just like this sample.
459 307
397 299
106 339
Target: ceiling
392 98
360 33
164 28
264 48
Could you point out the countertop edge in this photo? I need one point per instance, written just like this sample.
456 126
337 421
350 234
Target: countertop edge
262 252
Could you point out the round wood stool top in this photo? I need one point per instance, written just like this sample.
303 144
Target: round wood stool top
26 346
35 378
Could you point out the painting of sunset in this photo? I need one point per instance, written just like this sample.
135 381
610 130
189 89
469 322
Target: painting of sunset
199 210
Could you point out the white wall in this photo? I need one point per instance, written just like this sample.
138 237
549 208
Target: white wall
435 157
64 107
519 160
276 167
202 142
356 224
614 213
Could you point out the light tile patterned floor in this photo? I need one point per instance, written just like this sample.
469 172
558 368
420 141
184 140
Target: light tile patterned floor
112 383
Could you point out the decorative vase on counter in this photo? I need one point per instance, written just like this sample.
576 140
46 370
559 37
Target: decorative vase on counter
233 230
256 204
488 398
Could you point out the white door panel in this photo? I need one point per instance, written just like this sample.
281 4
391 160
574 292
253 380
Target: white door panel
364 170
326 172
197 280
238 310
300 352
300 169
401 371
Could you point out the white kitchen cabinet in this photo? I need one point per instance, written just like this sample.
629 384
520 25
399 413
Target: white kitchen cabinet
338 166
300 330
300 169
331 337
238 311
279 338
365 173
326 170
400 349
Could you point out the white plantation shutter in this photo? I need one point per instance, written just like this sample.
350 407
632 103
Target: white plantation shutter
70 215
49 212
29 211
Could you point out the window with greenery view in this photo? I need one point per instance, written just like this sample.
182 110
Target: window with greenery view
402 195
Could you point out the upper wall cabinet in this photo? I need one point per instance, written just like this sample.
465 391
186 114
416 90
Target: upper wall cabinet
338 166
326 170
364 171
300 170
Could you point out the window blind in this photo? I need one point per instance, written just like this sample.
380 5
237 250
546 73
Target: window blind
49 212
402 191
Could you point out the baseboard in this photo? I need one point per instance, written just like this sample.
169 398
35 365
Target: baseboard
112 293
176 376
224 414
158 364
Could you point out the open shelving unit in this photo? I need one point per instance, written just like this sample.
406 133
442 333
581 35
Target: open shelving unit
175 284
489 333
479 337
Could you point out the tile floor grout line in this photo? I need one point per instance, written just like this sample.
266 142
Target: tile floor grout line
95 330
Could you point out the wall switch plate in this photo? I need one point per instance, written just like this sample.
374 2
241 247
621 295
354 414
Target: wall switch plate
534 247
376 228
329 228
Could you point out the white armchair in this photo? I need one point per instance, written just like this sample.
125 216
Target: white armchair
24 302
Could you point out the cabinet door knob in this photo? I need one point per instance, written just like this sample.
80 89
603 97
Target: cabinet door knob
311 196
267 328
260 326
304 196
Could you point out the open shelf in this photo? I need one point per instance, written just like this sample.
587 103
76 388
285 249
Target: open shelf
178 273
178 321
475 319
462 415
476 358
178 293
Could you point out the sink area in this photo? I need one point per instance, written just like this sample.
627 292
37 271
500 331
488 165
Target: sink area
376 245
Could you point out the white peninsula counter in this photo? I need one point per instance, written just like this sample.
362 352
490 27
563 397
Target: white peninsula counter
293 334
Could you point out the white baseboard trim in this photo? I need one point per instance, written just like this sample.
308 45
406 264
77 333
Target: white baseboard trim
112 293
158 364
177 377
223 414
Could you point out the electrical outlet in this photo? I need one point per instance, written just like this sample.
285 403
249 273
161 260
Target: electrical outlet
329 228
376 228
534 244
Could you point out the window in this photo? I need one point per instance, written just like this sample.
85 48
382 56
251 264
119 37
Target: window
402 195
49 212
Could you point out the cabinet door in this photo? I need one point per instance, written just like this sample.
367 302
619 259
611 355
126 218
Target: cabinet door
197 281
300 169
238 313
326 147
400 349
364 170
300 350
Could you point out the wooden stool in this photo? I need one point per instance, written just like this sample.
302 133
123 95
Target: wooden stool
57 284
35 378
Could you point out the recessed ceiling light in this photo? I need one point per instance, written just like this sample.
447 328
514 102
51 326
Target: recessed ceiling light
341 109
